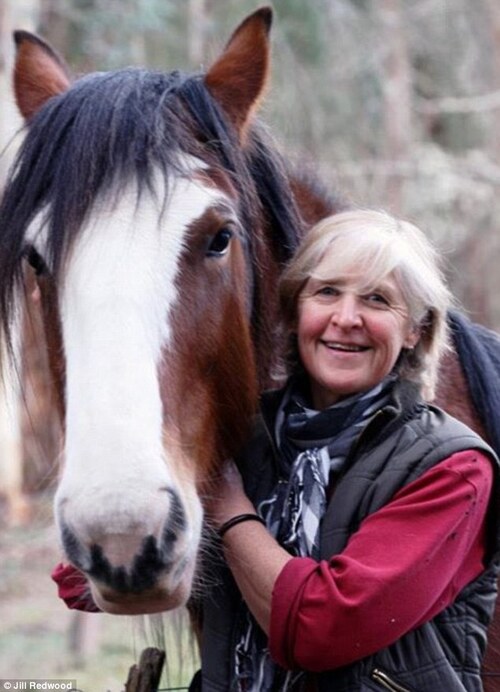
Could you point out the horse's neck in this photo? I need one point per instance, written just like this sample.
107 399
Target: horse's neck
453 393
314 202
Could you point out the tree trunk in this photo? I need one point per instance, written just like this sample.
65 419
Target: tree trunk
10 121
83 637
396 83
493 11
13 14
197 23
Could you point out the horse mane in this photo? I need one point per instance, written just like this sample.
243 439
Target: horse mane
478 350
109 128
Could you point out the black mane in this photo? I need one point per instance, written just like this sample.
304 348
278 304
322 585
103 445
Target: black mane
112 127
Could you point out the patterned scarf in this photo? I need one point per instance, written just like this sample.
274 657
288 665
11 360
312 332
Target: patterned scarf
313 445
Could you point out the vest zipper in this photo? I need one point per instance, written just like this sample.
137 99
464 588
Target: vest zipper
384 680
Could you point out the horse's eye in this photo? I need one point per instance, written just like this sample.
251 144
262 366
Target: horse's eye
219 244
35 260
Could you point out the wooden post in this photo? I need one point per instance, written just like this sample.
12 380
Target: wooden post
145 675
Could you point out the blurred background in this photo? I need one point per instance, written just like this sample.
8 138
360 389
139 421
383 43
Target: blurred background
395 104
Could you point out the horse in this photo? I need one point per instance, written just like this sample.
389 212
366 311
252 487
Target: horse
156 214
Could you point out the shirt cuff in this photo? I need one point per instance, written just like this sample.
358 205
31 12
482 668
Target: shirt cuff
73 588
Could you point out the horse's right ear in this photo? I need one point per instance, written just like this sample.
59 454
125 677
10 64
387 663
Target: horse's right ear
238 77
39 73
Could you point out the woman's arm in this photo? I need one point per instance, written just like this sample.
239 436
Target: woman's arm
254 557
407 562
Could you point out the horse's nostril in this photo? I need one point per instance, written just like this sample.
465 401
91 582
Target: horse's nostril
176 516
175 525
74 549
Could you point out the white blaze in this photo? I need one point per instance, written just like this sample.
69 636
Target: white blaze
115 303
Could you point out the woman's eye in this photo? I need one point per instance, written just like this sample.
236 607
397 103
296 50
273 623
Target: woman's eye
327 291
377 298
219 244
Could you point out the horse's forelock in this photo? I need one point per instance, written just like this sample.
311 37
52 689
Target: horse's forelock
105 130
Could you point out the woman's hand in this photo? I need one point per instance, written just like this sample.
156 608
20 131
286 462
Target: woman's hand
228 498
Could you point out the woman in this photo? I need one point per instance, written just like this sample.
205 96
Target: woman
360 539
360 550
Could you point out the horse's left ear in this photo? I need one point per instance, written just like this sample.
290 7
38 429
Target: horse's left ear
39 73
238 78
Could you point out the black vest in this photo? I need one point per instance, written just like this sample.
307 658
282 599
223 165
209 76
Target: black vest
404 440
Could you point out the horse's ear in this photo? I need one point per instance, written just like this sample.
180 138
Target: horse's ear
39 73
238 77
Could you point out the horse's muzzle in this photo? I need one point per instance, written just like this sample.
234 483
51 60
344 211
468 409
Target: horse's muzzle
132 573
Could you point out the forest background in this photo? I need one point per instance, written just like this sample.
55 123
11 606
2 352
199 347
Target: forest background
395 104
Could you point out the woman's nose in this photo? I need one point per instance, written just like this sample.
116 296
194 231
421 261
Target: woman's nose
347 313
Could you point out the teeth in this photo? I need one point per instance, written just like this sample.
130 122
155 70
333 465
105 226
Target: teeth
345 347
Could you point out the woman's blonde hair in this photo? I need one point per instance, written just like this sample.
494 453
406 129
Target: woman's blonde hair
377 245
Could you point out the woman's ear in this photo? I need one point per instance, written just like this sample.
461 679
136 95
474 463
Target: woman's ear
423 331
412 337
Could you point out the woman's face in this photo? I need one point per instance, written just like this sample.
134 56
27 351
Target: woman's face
349 339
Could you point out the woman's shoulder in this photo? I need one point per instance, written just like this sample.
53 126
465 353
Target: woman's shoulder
437 422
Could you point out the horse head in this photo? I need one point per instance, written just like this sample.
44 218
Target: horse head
143 201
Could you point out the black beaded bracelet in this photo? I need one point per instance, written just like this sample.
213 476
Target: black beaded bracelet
238 519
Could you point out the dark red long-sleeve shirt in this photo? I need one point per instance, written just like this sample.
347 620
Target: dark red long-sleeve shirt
405 564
